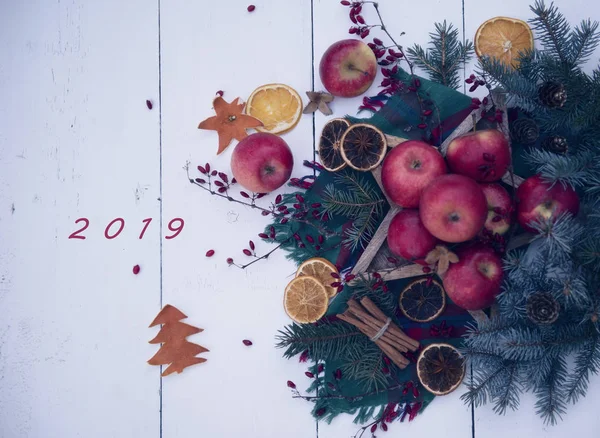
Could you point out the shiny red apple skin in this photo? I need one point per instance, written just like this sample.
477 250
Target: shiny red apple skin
262 162
348 68
469 155
538 199
497 197
408 238
453 208
476 279
408 169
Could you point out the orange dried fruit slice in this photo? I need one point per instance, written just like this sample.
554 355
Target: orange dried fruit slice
277 106
363 147
321 269
504 39
330 152
440 368
305 299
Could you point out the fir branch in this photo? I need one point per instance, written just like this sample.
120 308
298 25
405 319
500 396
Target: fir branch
552 28
445 56
587 362
366 367
519 90
551 400
507 395
522 343
354 197
571 170
557 236
583 41
323 341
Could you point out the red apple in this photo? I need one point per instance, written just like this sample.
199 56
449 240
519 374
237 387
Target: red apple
348 68
408 238
538 199
407 170
262 162
499 207
475 280
453 208
482 155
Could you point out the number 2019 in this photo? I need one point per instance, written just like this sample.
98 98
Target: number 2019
119 224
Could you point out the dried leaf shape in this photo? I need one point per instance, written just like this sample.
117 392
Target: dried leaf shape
229 122
443 257
176 351
318 101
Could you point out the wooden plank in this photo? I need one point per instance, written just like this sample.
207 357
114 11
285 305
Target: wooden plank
331 24
77 141
239 391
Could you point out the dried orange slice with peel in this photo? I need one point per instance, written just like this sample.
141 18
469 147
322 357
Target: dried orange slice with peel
330 152
363 147
321 269
305 299
277 106
504 39
440 368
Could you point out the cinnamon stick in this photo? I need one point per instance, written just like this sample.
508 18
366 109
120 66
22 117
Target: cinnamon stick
399 360
367 318
393 328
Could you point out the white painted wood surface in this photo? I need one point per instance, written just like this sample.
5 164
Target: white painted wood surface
76 140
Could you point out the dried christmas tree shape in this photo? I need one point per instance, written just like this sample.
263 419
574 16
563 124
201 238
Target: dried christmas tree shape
176 351
229 122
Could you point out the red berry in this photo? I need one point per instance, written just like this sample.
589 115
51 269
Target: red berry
374 428
309 374
247 342
291 384
345 3
230 261
247 252
251 8
210 253
220 93
136 269
149 104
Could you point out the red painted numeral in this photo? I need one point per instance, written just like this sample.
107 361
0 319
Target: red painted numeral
119 230
74 234
177 229
147 222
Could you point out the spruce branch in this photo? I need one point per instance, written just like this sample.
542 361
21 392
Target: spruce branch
583 41
571 170
366 366
551 404
587 362
553 29
444 57
324 341
354 197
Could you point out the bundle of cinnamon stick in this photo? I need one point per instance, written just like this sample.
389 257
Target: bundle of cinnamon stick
370 320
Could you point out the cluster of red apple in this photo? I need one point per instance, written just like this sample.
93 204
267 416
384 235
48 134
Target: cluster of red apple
462 206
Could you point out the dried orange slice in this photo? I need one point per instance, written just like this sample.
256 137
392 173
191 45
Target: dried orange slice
305 299
440 368
363 146
277 106
321 269
330 152
504 39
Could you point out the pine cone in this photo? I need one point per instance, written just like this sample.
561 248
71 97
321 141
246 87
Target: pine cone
524 131
557 144
552 94
542 308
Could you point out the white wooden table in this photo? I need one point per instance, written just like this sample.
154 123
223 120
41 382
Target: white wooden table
77 141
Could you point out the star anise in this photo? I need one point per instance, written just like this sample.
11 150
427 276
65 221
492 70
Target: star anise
318 100
443 257
229 122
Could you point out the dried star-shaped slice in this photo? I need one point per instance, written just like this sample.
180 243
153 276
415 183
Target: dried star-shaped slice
318 101
229 122
443 257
